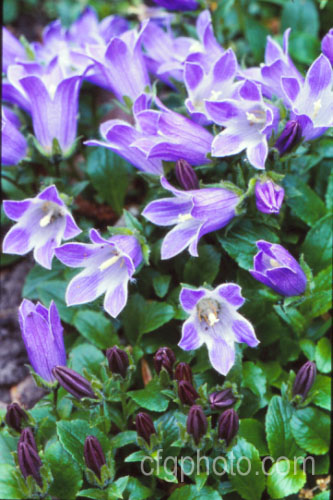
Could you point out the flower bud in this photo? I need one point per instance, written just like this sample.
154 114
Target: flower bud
144 426
269 197
304 380
29 461
27 436
289 138
93 455
14 416
186 176
164 358
118 360
183 372
73 382
196 424
186 392
228 425
222 399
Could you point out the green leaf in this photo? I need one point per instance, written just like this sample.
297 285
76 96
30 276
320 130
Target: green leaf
255 380
109 176
137 456
161 284
308 348
96 328
55 290
321 391
300 15
191 492
203 268
323 355
94 493
311 429
8 444
88 357
317 244
123 438
240 242
150 397
9 486
67 475
281 442
245 470
136 490
284 479
116 489
72 435
303 201
254 432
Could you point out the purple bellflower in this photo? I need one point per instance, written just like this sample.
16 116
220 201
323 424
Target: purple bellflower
217 84
248 124
108 266
13 50
42 334
290 137
327 45
119 136
275 267
41 223
214 321
14 144
194 213
312 102
269 197
178 4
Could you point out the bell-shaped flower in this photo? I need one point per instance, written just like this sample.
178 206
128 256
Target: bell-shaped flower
14 144
214 321
194 213
42 334
269 197
312 101
108 266
275 267
327 45
41 223
248 123
178 4
12 51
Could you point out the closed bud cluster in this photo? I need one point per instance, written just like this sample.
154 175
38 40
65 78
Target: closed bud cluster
28 457
186 176
118 360
14 416
93 455
164 358
222 399
183 372
290 137
304 379
144 426
228 425
186 392
196 424
73 382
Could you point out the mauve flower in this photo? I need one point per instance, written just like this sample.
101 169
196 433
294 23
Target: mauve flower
304 379
29 462
144 426
14 416
222 399
269 197
73 382
108 266
178 4
41 223
214 321
42 334
12 49
228 425
275 267
118 360
248 122
183 372
186 392
196 424
327 45
164 358
289 138
14 145
312 101
186 176
194 213
94 455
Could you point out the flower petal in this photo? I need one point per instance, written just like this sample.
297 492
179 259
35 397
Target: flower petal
84 287
115 300
17 241
15 209
43 254
71 228
291 87
179 238
189 298
227 144
193 75
190 337
75 254
57 330
221 112
232 293
166 211
244 331
319 76
250 91
51 194
221 355
257 154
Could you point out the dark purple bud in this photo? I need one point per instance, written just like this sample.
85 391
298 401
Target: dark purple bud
93 455
269 197
186 176
222 399
196 424
289 138
164 358
144 426
73 382
118 360
186 392
304 379
14 416
29 461
228 425
183 372
27 436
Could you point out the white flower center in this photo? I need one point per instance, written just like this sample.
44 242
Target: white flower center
208 311
184 217
257 116
316 107
109 262
53 212
274 263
